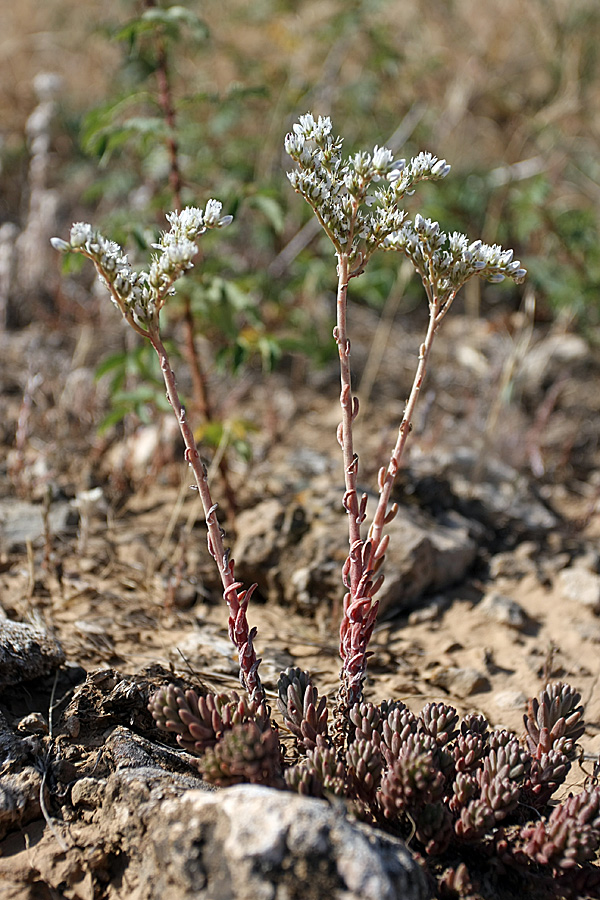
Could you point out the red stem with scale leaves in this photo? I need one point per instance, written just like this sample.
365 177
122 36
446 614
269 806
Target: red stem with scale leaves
365 557
236 597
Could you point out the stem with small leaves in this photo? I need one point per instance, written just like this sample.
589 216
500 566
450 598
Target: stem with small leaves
140 298
386 477
366 557
237 598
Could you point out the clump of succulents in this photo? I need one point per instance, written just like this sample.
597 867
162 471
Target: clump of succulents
201 722
455 788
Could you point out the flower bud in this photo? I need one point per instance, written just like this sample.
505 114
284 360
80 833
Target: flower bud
60 245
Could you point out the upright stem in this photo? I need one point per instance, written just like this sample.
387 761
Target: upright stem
349 411
237 600
386 480
366 557
359 609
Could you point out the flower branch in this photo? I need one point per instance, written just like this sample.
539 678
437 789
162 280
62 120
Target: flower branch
360 219
140 298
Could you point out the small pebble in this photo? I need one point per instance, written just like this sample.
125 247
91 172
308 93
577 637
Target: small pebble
581 585
34 723
510 700
87 791
430 612
504 610
511 565
588 631
462 682
452 647
72 726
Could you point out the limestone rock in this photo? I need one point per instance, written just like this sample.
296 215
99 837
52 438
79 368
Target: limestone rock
582 585
504 610
21 521
254 843
548 359
460 681
483 488
276 540
517 564
510 699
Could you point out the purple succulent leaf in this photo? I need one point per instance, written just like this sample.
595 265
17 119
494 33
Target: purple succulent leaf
554 720
440 721
245 754
304 713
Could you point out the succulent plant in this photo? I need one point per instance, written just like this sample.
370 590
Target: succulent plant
200 722
367 720
546 774
571 834
439 720
396 729
475 820
457 788
464 789
468 751
319 774
364 764
455 883
413 778
246 753
302 710
554 720
434 828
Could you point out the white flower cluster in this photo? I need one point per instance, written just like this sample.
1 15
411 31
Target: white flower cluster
141 295
359 218
422 166
447 261
340 190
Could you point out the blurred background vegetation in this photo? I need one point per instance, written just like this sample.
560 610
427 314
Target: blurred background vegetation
508 93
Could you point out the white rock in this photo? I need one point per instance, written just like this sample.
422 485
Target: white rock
254 843
510 700
582 585
504 610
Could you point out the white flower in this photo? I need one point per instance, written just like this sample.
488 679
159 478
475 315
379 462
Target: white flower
81 233
311 130
440 169
294 144
397 171
212 213
382 159
60 245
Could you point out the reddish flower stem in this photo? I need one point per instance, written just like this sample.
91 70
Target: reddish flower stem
349 411
366 557
237 599
387 480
